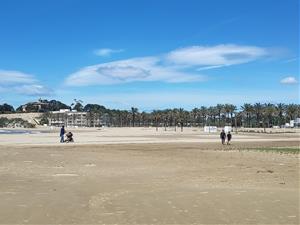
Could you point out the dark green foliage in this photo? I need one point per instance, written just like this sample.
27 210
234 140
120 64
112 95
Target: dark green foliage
78 107
5 108
249 115
56 105
94 108
44 121
4 122
44 118
46 106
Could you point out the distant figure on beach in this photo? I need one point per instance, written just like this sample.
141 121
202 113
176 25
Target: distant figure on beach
62 133
223 137
229 136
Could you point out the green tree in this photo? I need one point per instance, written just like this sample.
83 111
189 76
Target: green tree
5 108
292 111
77 105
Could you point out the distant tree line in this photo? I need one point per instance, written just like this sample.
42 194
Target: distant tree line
249 115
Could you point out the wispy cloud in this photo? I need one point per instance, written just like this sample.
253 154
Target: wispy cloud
124 71
289 80
21 83
33 90
179 65
106 52
291 60
220 55
15 77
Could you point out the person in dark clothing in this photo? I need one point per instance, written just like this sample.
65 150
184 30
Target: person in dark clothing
62 133
223 137
229 136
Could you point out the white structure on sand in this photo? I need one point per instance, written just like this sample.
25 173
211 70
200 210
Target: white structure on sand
210 129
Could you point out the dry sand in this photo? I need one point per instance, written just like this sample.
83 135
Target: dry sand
147 177
46 136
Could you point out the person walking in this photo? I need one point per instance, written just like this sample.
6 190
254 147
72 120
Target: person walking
229 136
62 133
223 137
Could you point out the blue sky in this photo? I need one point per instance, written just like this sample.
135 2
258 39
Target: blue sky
150 54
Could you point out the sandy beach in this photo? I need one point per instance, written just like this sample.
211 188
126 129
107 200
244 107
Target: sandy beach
140 176
83 136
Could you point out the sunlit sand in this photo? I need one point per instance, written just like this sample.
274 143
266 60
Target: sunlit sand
140 176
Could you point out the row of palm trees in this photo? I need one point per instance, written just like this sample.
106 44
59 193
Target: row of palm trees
249 115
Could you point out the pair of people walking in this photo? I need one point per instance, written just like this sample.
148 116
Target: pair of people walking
69 135
223 137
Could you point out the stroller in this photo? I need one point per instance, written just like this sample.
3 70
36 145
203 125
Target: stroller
69 136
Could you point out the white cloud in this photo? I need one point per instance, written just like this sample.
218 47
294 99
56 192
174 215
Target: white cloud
220 55
33 90
105 52
21 83
289 80
180 65
15 77
123 71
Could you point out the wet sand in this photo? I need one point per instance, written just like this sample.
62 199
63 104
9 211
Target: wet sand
149 183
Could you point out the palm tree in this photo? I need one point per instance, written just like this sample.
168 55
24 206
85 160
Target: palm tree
280 112
269 112
203 114
134 112
169 116
220 109
156 115
215 114
227 109
181 117
258 110
165 118
175 113
143 118
292 111
298 111
211 115
195 115
232 110
248 110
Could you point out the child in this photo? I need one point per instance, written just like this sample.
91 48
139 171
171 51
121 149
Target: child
229 138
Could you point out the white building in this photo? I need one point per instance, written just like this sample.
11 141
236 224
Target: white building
73 118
